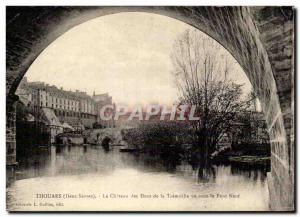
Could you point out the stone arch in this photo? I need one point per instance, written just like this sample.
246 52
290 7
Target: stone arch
106 142
259 38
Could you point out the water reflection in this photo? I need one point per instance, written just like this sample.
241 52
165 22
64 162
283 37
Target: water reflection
57 160
94 167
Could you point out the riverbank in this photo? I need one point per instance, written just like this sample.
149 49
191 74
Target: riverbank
251 160
244 160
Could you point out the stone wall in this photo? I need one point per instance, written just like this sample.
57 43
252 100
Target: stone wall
73 121
11 130
276 26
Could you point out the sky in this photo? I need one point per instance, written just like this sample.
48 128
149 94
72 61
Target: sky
126 55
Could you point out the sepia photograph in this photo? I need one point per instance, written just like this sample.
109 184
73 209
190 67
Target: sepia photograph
150 109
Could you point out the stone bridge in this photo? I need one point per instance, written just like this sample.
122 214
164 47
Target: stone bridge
100 135
259 38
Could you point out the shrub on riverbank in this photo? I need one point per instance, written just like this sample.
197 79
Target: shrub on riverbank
163 136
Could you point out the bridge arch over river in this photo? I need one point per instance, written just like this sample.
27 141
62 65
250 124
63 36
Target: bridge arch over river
259 38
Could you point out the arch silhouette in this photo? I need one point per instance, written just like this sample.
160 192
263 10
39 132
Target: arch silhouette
105 143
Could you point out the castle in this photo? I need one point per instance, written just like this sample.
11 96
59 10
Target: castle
61 109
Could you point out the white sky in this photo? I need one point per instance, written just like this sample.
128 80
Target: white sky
125 54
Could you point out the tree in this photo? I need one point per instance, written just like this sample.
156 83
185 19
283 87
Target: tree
200 73
252 97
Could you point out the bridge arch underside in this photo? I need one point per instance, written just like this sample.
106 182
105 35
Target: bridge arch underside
259 38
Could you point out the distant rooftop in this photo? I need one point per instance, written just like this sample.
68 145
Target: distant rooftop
59 92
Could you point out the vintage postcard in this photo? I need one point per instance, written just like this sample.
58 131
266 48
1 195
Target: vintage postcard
150 108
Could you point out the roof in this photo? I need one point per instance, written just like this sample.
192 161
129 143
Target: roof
60 93
66 125
51 118
30 87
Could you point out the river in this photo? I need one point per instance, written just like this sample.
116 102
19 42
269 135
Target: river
90 179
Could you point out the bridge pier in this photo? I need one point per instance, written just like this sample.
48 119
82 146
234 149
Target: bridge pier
11 131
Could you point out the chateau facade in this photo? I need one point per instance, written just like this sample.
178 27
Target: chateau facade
74 108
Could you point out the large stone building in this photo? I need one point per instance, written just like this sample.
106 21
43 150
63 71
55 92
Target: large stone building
102 100
60 108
